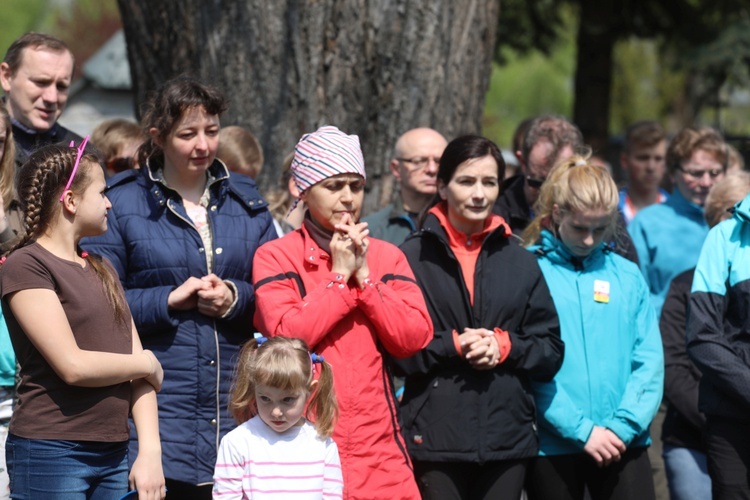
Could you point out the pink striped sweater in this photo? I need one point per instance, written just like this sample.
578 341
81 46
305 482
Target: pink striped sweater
255 462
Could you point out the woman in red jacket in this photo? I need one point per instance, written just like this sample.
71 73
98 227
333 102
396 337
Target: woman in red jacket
352 299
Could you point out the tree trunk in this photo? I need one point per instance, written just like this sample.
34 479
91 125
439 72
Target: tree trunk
593 79
374 68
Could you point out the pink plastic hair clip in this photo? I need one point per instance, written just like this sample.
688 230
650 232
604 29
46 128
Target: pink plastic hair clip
81 147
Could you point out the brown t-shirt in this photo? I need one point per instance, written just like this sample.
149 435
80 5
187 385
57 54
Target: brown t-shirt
48 408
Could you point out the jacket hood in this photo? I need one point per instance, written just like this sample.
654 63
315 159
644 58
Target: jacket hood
742 209
554 249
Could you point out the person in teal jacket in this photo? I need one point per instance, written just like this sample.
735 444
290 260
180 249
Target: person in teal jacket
668 236
718 327
593 417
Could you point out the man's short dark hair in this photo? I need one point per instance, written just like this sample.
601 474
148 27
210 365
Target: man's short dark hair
643 134
14 55
555 129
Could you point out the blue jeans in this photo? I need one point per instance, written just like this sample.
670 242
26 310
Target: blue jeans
66 470
687 473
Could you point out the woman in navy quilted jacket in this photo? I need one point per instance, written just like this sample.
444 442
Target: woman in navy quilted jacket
182 237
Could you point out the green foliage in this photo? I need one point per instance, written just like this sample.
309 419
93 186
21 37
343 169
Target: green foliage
19 16
83 24
531 84
671 61
526 25
643 87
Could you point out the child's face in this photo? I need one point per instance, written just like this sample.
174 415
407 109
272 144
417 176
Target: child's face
93 204
279 409
581 232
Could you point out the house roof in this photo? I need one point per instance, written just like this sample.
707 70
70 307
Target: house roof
108 68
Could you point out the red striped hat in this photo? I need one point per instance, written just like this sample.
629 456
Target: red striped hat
325 153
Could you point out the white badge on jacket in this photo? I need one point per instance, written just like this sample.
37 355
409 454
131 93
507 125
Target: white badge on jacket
601 291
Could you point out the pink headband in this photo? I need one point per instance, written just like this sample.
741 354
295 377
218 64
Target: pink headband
81 147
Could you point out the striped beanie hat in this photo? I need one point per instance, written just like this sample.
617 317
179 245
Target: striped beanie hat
325 153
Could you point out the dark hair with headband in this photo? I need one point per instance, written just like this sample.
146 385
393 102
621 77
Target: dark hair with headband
47 174
285 364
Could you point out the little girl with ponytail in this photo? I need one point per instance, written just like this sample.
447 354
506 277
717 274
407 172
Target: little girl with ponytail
277 451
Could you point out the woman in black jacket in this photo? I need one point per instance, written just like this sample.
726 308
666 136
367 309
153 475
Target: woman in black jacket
468 412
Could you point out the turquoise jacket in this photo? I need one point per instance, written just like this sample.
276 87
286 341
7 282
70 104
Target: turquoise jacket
668 238
718 327
613 371
7 356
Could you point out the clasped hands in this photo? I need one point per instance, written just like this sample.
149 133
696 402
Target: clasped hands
209 294
349 245
604 446
479 347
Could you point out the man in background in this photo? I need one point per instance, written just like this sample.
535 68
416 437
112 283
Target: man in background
36 74
415 165
643 159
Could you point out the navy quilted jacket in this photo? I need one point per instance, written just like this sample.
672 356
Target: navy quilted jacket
154 247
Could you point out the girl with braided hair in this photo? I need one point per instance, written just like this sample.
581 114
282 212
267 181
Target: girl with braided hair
276 450
82 366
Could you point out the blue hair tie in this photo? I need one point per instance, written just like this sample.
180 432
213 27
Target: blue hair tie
316 358
259 338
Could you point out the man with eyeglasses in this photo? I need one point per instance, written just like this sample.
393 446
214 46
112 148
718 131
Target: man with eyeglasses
668 236
415 165
643 158
548 140
36 74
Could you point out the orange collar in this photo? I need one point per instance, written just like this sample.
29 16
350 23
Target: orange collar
458 239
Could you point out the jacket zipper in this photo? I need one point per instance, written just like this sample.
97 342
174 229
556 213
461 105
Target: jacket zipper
213 320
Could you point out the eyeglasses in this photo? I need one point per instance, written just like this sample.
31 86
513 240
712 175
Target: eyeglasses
81 147
698 174
420 162
535 182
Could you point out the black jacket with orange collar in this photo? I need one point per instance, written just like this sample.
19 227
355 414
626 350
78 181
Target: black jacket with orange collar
452 412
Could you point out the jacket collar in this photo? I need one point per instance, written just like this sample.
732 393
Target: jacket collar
514 198
313 253
397 212
684 206
554 250
437 221
742 209
30 140
218 173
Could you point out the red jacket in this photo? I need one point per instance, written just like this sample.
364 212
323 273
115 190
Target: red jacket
297 295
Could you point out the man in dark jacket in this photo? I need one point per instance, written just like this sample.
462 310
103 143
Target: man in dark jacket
415 165
548 140
36 74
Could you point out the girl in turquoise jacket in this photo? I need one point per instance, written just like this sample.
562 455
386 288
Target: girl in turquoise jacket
594 415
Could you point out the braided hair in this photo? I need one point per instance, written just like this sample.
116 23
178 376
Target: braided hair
39 184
